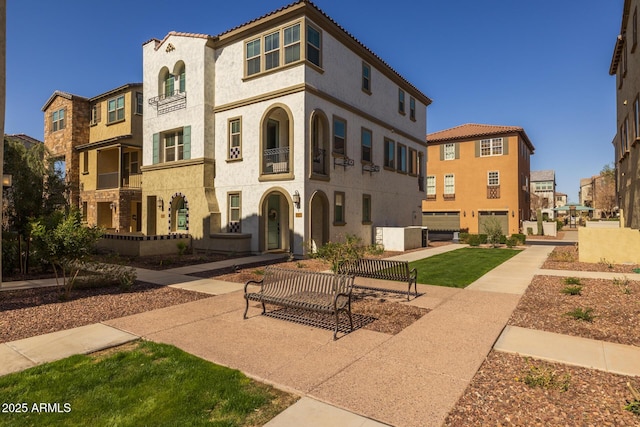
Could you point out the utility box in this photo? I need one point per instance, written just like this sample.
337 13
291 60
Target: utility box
400 238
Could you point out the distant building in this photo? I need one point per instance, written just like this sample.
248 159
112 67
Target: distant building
23 139
561 199
476 172
585 195
625 65
96 144
543 185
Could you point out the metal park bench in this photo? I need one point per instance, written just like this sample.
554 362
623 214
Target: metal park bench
382 269
307 290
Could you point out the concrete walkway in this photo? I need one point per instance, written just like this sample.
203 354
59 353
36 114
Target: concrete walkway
365 378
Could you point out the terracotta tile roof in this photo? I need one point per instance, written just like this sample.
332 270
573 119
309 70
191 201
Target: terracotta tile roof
474 130
424 97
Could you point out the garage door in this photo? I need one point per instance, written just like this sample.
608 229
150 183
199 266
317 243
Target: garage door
441 221
501 216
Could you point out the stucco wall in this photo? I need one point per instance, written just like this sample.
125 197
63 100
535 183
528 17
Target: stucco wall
616 245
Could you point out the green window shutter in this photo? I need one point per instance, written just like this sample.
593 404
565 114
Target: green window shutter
186 142
505 145
457 145
441 151
156 148
478 148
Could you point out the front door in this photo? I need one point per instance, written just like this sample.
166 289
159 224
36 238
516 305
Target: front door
273 222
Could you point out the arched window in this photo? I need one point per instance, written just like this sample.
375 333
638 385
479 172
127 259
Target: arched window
319 149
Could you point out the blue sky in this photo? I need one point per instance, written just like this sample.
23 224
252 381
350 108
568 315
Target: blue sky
542 64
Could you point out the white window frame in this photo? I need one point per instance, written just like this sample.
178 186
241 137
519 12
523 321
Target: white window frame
493 178
339 207
290 45
491 147
271 50
450 151
449 184
278 48
231 210
114 107
178 145
139 103
57 120
234 138
431 185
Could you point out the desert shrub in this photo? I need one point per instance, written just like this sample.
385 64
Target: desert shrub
559 224
182 248
580 313
100 275
511 242
572 281
529 231
483 239
463 237
473 240
374 249
545 377
337 253
572 290
521 238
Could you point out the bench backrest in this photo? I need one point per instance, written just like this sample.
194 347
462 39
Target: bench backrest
281 282
377 268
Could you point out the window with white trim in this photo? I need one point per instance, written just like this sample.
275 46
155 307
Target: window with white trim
235 139
234 213
115 108
173 143
431 185
139 102
338 208
493 178
491 147
449 184
366 77
449 151
57 119
389 154
292 44
271 50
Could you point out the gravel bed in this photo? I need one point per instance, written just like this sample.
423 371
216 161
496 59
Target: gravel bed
499 396
615 305
566 258
31 312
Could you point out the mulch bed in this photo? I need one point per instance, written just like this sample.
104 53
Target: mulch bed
30 312
566 258
498 396
615 305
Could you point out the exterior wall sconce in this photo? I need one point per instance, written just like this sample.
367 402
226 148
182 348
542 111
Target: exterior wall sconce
296 199
464 214
472 214
513 214
113 206
7 180
160 204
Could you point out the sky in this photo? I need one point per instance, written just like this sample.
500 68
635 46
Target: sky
542 65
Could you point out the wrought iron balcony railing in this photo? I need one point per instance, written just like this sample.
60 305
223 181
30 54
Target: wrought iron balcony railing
275 160
166 103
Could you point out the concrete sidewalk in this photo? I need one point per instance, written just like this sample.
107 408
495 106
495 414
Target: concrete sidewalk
413 378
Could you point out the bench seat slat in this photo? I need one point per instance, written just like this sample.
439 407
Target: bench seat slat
382 269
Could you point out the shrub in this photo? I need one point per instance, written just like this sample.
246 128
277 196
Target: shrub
572 290
547 378
464 237
483 239
579 313
182 248
559 224
521 238
529 231
511 242
375 249
623 284
606 263
473 240
633 405
572 281
337 253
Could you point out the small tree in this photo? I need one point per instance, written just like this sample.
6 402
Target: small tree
65 243
337 253
605 191
493 230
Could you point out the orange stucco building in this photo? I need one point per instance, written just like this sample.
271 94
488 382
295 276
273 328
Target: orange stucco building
475 172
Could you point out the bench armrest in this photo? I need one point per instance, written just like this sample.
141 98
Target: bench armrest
413 274
253 282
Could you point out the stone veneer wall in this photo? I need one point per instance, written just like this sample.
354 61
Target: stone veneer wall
61 143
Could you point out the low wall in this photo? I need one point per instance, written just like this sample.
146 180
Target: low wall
225 243
616 245
602 224
549 228
399 238
135 245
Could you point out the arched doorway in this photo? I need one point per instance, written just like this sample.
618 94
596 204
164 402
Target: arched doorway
275 222
178 214
319 220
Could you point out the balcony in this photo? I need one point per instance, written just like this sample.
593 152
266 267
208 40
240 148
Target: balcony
275 161
493 192
320 161
166 103
110 180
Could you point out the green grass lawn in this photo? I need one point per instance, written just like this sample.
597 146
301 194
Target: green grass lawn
461 267
148 384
